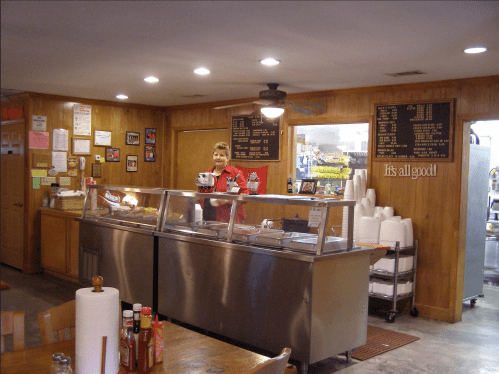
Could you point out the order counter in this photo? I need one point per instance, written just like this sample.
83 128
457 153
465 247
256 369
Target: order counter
261 286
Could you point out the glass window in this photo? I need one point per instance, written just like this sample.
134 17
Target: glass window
330 153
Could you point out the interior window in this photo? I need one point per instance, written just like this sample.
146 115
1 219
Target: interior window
330 153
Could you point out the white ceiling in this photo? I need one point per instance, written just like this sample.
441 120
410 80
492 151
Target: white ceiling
98 49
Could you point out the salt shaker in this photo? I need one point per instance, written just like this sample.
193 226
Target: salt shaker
54 369
65 363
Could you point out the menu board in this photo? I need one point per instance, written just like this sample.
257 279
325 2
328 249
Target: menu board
414 131
255 138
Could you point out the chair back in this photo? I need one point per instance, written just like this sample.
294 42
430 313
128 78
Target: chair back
13 324
275 365
60 321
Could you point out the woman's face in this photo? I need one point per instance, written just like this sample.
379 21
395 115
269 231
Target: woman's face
220 158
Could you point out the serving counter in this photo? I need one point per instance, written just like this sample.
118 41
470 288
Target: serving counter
262 286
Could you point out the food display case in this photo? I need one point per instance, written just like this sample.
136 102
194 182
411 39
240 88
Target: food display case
268 288
117 239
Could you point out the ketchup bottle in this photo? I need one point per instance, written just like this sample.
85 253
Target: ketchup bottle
146 358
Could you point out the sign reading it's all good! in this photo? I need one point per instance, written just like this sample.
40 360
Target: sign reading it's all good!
410 171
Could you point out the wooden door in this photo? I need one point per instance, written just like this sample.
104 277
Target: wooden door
12 195
194 154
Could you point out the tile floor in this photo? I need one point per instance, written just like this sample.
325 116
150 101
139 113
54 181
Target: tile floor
470 346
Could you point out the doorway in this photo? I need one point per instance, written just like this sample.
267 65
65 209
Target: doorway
194 154
12 195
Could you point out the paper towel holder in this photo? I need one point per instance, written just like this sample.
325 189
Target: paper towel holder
97 282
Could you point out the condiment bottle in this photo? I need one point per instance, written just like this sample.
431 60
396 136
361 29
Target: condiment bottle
127 342
65 362
54 369
157 329
146 359
137 307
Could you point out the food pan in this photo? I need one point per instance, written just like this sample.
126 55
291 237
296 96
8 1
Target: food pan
281 239
249 235
331 244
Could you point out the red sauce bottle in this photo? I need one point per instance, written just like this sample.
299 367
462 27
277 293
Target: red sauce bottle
146 358
127 342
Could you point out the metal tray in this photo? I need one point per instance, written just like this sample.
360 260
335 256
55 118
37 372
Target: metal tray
331 244
249 235
217 229
281 239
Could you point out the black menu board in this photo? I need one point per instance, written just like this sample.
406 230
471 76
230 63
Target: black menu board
255 138
414 131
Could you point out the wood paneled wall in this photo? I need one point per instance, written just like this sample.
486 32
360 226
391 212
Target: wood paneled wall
107 116
435 205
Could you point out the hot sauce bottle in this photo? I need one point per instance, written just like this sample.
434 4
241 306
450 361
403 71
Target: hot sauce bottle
127 342
157 329
146 358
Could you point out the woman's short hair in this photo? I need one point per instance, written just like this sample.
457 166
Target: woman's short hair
222 146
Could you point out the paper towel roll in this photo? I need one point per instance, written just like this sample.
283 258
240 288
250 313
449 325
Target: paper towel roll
97 315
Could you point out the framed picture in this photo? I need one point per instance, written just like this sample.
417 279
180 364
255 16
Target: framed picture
112 154
132 138
96 170
308 186
102 138
150 136
81 146
150 153
131 163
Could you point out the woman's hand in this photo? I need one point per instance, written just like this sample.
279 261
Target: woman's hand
218 202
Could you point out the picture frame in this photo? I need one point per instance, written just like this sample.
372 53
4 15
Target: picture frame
308 186
81 146
131 163
150 153
112 155
102 138
132 138
96 170
150 136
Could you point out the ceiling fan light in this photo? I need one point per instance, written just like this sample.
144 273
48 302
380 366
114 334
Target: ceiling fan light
202 71
475 50
270 61
272 112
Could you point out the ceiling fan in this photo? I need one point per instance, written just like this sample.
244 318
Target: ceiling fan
274 102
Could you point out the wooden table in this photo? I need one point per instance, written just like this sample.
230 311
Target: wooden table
186 352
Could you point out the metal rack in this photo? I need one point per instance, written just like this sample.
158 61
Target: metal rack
395 277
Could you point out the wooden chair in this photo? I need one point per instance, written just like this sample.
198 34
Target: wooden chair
61 320
275 365
13 324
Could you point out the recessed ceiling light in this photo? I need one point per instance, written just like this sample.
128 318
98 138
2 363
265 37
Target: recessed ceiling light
270 61
475 50
122 97
202 71
151 79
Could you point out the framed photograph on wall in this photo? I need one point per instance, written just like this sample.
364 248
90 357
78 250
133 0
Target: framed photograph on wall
308 186
112 154
150 136
131 163
132 138
150 153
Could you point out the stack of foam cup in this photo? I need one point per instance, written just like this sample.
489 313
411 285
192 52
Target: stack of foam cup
409 235
369 230
371 195
358 213
357 188
347 195
391 232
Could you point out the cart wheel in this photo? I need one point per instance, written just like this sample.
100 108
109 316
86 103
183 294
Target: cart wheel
390 318
414 311
472 303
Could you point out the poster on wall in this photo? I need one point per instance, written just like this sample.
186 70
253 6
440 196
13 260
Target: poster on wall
82 120
60 140
38 140
39 123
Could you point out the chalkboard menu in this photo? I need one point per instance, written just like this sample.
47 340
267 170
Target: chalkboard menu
255 138
414 131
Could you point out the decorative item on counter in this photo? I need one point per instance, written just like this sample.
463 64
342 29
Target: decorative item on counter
253 182
97 317
45 201
157 329
127 342
56 358
65 365
290 184
146 357
53 193
232 186
205 182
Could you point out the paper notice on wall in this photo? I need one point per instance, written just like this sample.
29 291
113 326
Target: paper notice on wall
39 140
59 161
60 140
39 123
82 120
